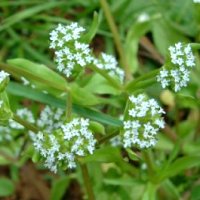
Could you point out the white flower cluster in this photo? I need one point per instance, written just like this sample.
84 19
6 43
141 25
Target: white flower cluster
110 64
142 123
50 119
61 148
24 114
3 76
70 52
177 73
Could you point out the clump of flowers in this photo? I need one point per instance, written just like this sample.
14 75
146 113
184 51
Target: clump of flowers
50 119
142 122
176 71
70 53
109 64
61 148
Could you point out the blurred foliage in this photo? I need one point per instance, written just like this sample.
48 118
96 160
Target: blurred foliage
115 173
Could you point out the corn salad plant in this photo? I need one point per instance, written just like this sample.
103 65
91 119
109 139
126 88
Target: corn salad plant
119 124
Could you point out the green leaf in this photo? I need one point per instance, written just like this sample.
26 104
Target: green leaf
142 82
134 35
36 72
6 187
187 101
27 92
179 165
132 155
170 190
99 85
150 192
82 97
97 127
123 181
87 38
106 154
164 35
59 188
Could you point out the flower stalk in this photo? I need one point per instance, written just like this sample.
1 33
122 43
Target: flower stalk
111 80
116 37
25 124
87 182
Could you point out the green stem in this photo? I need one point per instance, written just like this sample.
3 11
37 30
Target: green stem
107 137
87 182
25 124
26 139
116 37
112 81
148 160
195 46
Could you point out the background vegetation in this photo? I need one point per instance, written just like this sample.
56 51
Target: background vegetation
146 30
